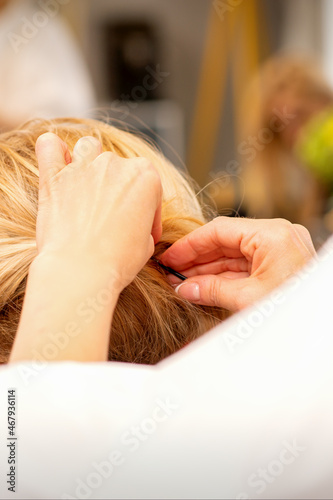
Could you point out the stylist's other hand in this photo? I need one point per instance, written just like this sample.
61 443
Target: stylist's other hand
97 206
232 262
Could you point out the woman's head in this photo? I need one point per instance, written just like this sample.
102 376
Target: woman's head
150 321
285 94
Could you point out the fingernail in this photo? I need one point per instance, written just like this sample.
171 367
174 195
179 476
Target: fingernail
189 291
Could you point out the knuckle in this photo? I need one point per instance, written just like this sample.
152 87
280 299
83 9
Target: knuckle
86 145
141 162
145 168
304 235
283 228
283 222
109 156
105 158
214 293
238 302
217 220
143 165
46 136
302 229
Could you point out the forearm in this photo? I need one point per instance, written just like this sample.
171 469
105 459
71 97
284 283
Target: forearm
67 311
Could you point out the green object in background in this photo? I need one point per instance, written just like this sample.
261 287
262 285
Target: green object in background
315 146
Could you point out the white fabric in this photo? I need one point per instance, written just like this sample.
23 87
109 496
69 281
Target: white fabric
244 412
44 75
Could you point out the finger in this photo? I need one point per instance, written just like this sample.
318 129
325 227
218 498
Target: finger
230 237
232 275
220 237
52 156
156 231
86 150
157 223
231 294
152 184
304 235
219 266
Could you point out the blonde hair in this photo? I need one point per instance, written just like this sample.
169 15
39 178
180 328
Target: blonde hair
150 321
295 75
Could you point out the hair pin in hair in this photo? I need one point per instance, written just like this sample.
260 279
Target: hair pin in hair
169 269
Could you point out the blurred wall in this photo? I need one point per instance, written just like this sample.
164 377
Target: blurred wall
327 37
302 29
181 27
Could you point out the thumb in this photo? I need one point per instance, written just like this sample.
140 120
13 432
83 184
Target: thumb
212 290
52 156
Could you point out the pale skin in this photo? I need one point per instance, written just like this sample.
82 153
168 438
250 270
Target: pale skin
99 217
232 263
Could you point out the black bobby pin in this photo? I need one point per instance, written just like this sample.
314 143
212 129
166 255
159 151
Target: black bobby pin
169 270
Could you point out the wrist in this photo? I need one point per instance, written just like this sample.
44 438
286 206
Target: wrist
73 298
88 270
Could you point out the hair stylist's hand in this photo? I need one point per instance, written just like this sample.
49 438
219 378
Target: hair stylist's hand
98 218
232 262
97 206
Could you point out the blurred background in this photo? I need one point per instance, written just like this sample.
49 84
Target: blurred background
237 92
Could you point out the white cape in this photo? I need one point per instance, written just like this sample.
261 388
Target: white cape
244 412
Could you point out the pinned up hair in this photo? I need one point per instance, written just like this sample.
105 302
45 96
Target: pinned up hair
150 321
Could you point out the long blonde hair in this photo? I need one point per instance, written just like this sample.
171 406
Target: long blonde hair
150 321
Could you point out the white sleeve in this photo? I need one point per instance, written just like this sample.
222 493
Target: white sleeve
244 412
